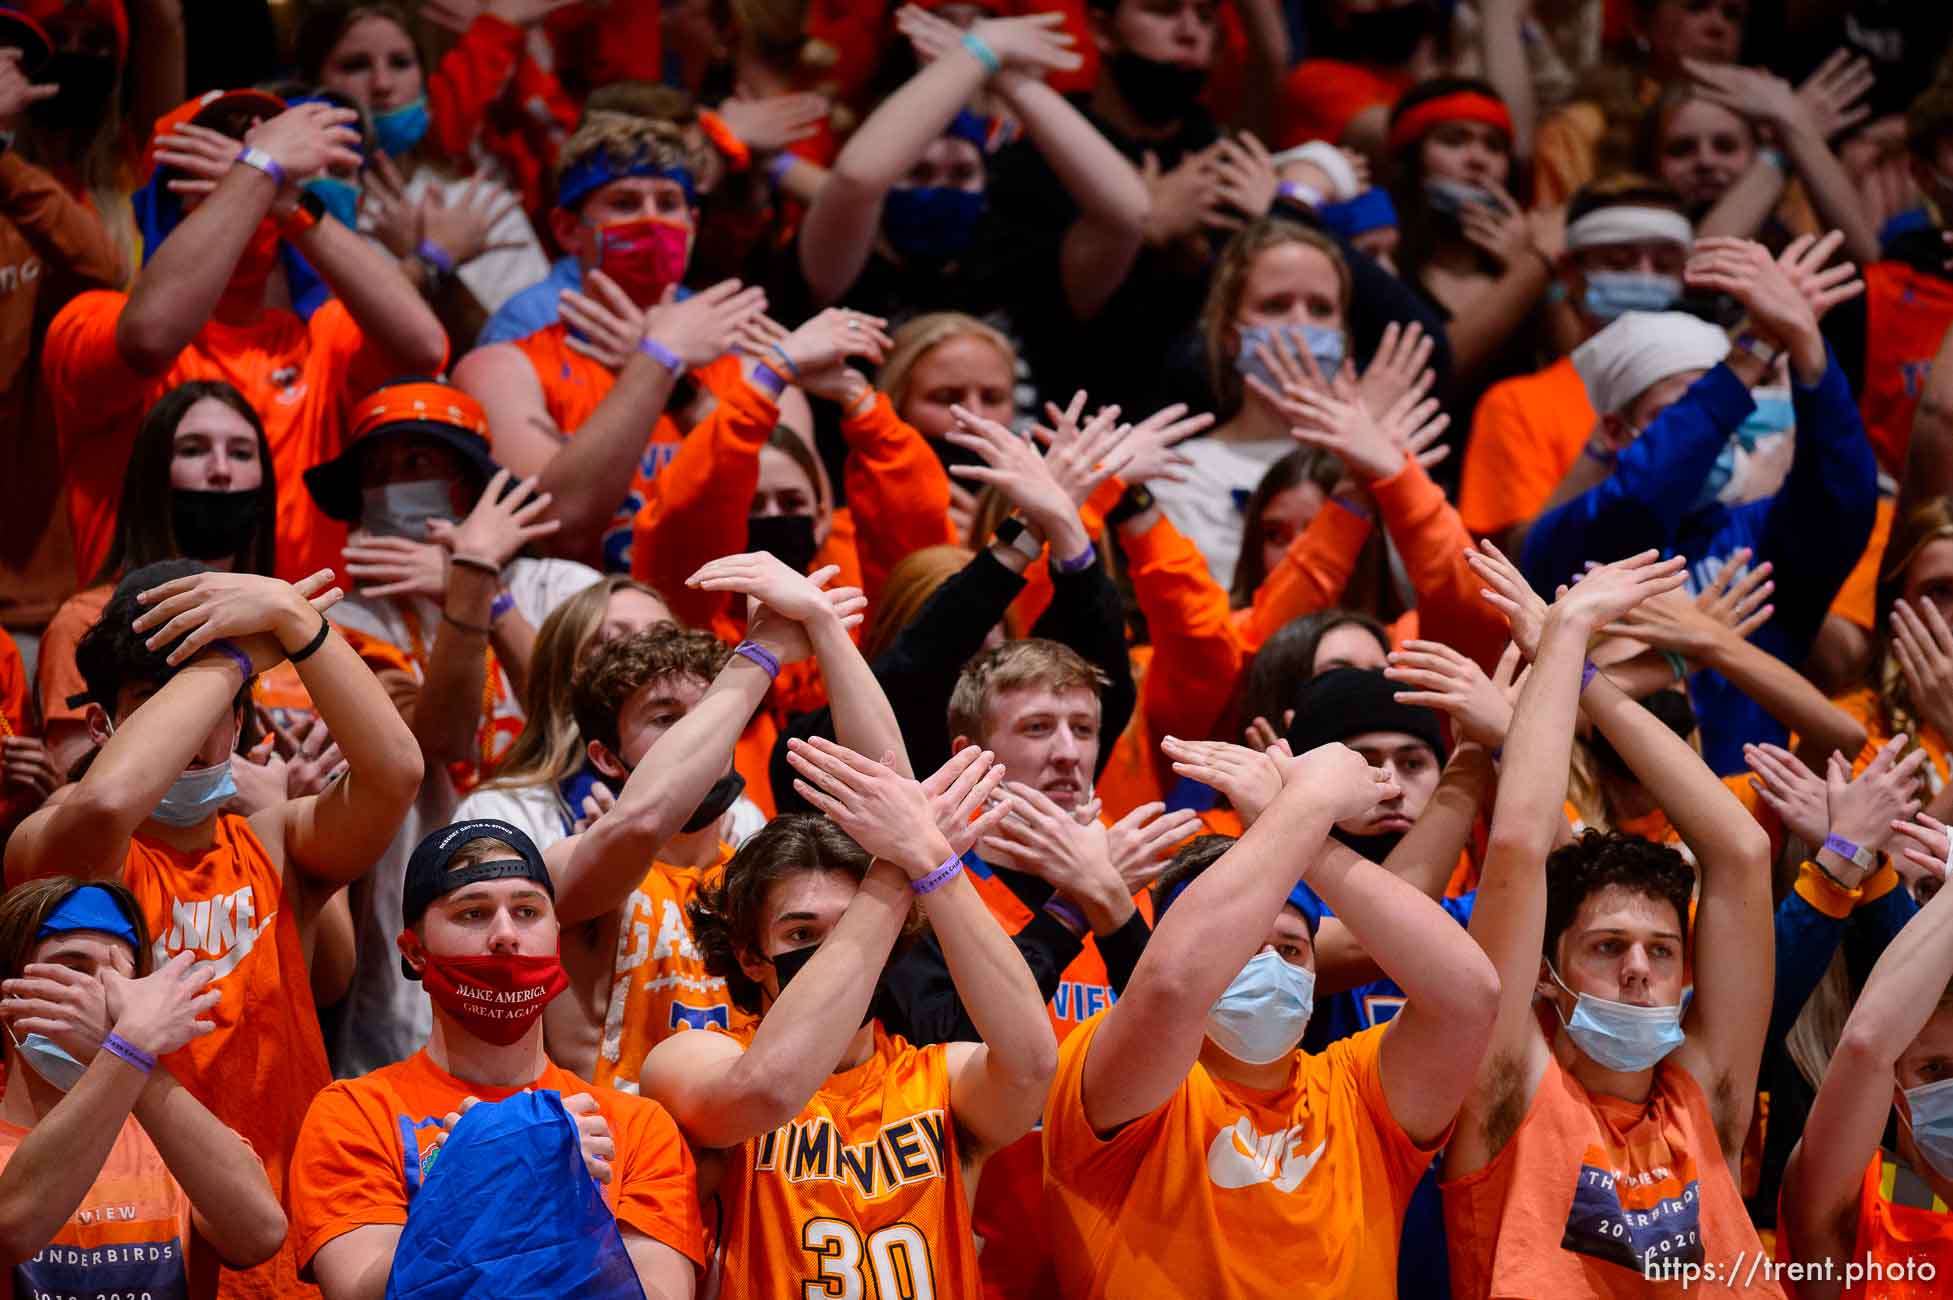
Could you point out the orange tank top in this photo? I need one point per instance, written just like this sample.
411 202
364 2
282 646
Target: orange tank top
1905 1235
1598 1196
860 1195
659 984
266 1060
574 386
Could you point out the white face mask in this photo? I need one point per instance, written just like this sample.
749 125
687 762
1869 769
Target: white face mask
403 509
1262 1015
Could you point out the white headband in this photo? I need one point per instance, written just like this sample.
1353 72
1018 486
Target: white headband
1638 350
1327 157
1626 225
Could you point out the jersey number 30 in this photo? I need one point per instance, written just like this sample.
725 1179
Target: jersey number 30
898 1255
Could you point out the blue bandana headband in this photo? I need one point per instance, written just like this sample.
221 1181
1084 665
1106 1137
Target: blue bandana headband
585 177
89 908
1302 898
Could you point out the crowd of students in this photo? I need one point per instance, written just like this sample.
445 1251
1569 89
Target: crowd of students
1008 648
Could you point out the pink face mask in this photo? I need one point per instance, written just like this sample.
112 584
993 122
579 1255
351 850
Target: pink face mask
645 257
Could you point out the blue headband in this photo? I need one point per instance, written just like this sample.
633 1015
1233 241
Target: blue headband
1370 210
597 169
89 908
1302 898
968 126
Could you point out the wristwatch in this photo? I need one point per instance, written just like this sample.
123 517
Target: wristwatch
1019 536
1135 501
311 210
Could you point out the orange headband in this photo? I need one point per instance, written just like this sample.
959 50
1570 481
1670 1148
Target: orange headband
427 402
736 154
1460 106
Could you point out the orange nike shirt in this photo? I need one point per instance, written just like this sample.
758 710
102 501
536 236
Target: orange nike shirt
1228 1192
862 1194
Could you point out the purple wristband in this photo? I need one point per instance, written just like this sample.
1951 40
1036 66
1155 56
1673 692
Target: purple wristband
663 355
760 655
778 167
936 879
501 605
1353 508
769 381
1587 671
1066 915
236 656
435 256
1078 563
129 1052
264 162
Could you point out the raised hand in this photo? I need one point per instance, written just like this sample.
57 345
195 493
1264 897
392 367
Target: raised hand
888 814
832 337
58 1002
771 124
1344 428
1082 463
605 325
1863 808
1804 261
394 218
16 91
1927 859
1250 778
1068 854
1035 43
1142 842
26 768
1262 736
1610 591
1184 200
1246 179
501 524
766 579
461 229
931 35
1923 645
1747 92
1013 465
163 1010
599 801
1793 792
312 760
1149 445
1744 269
708 323
1507 591
1502 230
967 782
1480 707
308 139
397 566
265 617
1834 96
1737 596
201 155
1402 365
1340 780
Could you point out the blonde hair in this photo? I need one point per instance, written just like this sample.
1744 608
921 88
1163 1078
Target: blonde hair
1923 525
909 586
625 138
551 746
919 337
1013 666
1230 281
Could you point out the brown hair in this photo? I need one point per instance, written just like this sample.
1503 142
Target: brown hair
921 335
1599 859
1927 522
1303 465
1223 305
727 919
1012 666
1674 97
621 668
1929 119
24 909
910 584
784 439
1622 189
550 747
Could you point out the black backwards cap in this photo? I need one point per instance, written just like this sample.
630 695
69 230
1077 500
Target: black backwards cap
429 877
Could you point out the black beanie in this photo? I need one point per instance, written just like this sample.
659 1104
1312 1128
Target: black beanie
1345 702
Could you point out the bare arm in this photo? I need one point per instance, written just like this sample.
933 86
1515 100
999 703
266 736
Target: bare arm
661 1271
1481 329
58 1161
230 1197
355 1265
1269 55
384 304
160 73
1504 52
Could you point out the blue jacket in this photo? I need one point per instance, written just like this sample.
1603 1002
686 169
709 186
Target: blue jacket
1813 530
533 308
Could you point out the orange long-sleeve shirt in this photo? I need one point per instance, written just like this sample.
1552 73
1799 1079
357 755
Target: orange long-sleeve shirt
489 95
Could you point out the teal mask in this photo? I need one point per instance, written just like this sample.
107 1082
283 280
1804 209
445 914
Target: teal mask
1622 1037
399 129
1263 1013
341 198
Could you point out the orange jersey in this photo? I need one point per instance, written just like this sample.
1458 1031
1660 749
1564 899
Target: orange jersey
574 385
265 1061
862 1194
1226 1191
660 984
353 1168
1907 312
299 376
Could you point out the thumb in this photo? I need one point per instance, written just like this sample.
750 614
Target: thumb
1149 165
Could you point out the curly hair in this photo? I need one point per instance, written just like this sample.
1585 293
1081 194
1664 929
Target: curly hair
1187 862
729 918
618 669
1599 859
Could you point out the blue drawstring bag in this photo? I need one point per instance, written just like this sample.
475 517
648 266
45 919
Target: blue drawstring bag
509 1210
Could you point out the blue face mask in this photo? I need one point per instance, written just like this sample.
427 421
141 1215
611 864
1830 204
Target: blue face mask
1328 347
1261 1016
399 129
1442 194
1931 1108
931 223
1727 481
341 198
46 1058
197 795
403 509
1622 1037
1612 293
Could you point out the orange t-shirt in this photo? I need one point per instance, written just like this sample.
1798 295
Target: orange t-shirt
130 1235
1227 1192
1907 312
659 984
574 385
1595 1194
264 1062
1857 599
55 674
861 1194
1322 96
300 377
1864 707
350 1169
1526 435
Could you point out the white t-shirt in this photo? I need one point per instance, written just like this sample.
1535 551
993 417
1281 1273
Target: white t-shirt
540 813
494 277
1207 507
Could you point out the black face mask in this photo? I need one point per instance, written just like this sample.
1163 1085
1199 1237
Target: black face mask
789 538
719 798
788 964
1387 36
1374 847
1159 94
86 81
213 525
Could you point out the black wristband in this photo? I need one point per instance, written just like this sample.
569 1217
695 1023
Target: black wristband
479 629
1136 500
311 647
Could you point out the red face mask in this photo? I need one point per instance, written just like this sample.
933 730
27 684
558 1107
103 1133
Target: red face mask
496 997
645 257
